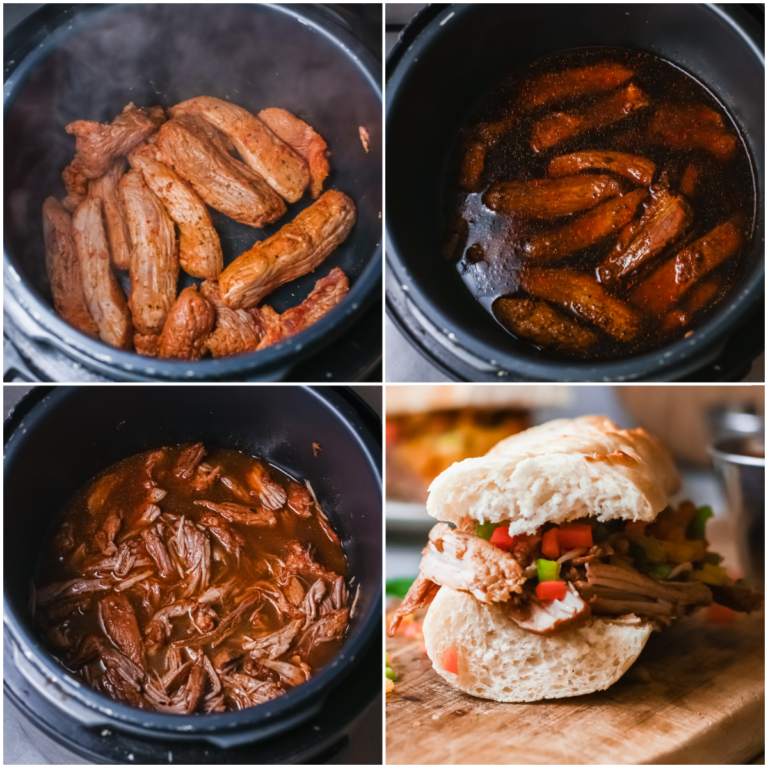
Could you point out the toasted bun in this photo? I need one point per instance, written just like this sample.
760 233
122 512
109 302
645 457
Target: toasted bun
559 471
498 660
444 397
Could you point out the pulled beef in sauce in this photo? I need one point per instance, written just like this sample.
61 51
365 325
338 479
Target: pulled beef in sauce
193 580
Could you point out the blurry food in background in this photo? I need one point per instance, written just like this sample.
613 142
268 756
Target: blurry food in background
682 416
182 161
564 539
431 427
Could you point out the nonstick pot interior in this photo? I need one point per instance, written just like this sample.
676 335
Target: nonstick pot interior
89 61
450 59
71 434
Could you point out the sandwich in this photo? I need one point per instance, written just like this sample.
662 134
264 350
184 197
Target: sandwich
431 427
558 555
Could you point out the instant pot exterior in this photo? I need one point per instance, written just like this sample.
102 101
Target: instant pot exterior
87 61
58 438
447 58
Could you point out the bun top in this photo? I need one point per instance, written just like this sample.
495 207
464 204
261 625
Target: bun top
423 398
560 471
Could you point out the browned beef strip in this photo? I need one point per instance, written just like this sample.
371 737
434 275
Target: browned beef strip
583 295
541 324
552 87
587 230
639 169
665 220
553 129
550 198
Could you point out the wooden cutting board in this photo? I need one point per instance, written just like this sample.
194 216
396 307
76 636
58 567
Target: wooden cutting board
704 704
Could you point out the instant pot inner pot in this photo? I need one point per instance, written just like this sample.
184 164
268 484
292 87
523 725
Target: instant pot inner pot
73 434
452 65
256 56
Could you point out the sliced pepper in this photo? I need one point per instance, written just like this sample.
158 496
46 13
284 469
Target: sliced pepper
500 538
550 544
547 570
451 661
660 571
550 590
697 527
714 575
657 551
393 433
574 537
485 530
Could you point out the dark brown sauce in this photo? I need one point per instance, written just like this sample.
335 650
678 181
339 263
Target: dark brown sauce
492 257
260 562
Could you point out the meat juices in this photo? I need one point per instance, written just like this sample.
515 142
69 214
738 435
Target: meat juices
578 185
194 611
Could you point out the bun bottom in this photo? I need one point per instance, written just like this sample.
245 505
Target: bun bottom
497 660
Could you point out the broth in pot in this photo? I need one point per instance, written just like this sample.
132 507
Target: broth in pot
599 203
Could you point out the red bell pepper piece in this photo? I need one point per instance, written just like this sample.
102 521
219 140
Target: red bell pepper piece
574 537
500 538
451 661
393 433
550 590
550 544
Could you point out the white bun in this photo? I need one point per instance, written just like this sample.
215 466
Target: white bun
497 660
415 398
562 470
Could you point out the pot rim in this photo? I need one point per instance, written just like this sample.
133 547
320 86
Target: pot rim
362 294
679 358
264 717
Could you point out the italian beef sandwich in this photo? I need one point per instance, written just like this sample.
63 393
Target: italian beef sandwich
559 554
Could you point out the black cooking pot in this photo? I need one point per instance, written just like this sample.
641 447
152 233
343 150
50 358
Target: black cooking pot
58 438
445 61
69 62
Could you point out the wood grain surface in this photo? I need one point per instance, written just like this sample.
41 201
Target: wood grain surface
702 702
